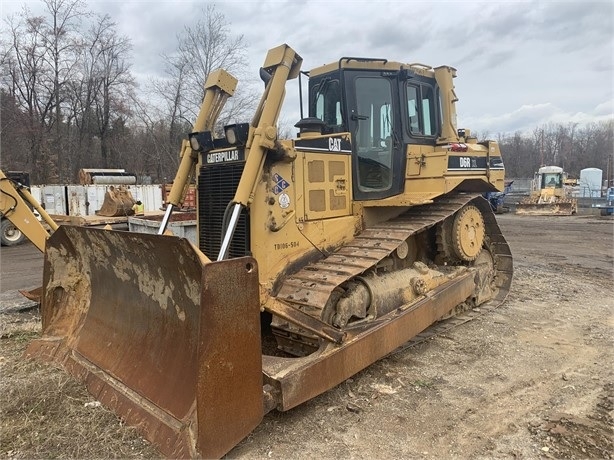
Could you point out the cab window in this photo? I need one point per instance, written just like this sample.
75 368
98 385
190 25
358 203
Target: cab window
422 115
328 103
551 180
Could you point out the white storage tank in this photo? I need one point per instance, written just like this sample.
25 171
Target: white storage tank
590 182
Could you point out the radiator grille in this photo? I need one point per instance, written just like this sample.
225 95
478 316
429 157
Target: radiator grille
216 188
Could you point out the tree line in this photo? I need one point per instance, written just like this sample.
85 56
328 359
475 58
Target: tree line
570 146
69 100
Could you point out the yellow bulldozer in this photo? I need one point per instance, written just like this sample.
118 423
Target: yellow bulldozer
550 196
316 256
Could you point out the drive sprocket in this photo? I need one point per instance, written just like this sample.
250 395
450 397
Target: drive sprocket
468 233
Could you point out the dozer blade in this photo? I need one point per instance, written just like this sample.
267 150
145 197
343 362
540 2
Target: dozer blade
545 209
118 201
167 341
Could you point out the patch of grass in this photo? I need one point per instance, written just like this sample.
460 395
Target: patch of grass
43 413
21 336
423 383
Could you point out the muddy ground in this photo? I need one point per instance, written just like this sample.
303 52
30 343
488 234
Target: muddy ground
533 379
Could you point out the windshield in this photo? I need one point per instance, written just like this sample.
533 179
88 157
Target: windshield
551 180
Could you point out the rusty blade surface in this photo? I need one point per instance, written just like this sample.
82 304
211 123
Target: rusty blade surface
230 395
122 312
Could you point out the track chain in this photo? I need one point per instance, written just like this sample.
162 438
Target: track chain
310 288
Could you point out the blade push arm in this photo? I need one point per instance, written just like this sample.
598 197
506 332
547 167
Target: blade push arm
219 87
282 64
14 200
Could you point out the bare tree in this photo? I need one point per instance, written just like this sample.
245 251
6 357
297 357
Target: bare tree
83 92
173 90
38 58
61 56
207 46
113 80
29 81
570 146
14 148
201 48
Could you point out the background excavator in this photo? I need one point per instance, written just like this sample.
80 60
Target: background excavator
20 212
17 206
316 256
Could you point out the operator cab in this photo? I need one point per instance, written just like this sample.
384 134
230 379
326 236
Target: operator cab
384 106
552 180
550 177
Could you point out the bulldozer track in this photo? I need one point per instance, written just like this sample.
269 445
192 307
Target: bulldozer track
311 287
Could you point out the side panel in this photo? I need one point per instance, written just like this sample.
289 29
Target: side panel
53 199
435 171
327 186
78 202
301 210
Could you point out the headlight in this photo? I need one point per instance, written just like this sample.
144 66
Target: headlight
231 135
201 142
237 134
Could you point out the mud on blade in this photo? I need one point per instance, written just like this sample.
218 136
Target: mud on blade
167 340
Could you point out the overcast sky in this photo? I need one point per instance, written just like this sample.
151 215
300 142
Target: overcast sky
520 63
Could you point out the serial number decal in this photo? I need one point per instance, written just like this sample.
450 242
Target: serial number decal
290 245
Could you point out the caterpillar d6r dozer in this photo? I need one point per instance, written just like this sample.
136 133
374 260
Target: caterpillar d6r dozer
316 256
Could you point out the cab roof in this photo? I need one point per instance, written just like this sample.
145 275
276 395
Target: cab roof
359 63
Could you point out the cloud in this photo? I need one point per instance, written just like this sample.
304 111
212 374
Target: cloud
575 24
527 117
605 109
519 61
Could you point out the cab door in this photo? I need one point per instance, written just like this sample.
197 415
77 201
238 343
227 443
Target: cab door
374 122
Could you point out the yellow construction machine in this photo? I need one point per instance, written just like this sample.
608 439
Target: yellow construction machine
549 196
316 256
17 205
